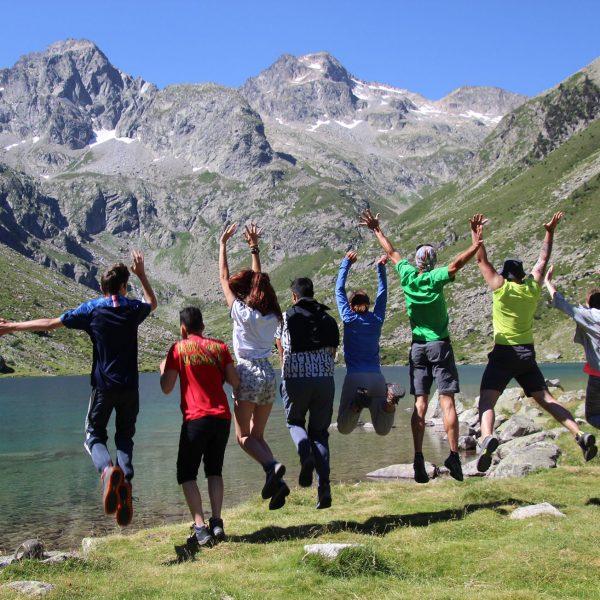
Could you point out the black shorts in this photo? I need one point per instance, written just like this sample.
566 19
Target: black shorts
429 360
506 362
202 439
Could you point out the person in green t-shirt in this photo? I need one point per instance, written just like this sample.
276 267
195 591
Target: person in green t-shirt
431 355
515 299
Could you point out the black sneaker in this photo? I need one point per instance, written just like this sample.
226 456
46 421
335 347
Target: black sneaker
216 529
362 398
452 463
203 536
278 498
421 475
305 478
272 480
395 392
324 497
587 443
488 447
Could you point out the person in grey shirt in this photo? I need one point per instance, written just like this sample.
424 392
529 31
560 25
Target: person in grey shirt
587 334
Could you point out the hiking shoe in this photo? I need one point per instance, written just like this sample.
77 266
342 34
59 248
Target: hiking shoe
452 463
488 447
203 536
272 480
421 475
587 443
125 504
395 392
324 497
112 478
217 530
278 498
362 398
305 478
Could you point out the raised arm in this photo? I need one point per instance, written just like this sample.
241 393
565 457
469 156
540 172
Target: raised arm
381 298
372 222
464 257
223 266
344 308
139 269
252 235
491 276
7 327
540 266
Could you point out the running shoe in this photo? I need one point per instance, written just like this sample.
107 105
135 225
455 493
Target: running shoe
421 475
587 443
217 530
125 505
278 498
452 463
203 536
272 480
324 497
488 447
112 478
395 392
305 478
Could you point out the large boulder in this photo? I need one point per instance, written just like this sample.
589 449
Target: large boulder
401 471
434 410
520 443
535 510
510 400
467 442
516 426
541 455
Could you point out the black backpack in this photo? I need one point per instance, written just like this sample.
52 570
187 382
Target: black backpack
311 327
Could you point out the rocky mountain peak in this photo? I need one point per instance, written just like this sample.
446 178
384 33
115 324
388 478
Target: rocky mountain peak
488 101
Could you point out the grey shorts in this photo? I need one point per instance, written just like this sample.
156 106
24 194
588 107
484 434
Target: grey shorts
506 362
592 401
429 360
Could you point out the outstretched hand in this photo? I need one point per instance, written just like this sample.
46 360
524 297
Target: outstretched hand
5 327
228 232
551 225
477 222
368 220
383 259
351 256
138 267
252 234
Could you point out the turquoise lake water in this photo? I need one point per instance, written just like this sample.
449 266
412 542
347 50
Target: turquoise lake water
48 487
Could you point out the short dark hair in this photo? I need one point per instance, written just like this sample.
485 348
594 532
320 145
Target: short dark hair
114 279
593 298
303 287
191 317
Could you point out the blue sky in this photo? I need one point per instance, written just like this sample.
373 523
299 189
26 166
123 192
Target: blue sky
429 47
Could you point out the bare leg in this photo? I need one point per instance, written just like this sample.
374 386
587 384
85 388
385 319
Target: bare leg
257 428
194 501
450 420
215 493
417 421
546 401
244 412
487 416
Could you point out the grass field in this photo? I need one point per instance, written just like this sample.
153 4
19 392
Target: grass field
444 540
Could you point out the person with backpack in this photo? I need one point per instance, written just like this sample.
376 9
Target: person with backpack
307 340
364 384
256 314
202 365
111 322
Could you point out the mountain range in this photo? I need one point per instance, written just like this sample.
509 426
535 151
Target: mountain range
94 162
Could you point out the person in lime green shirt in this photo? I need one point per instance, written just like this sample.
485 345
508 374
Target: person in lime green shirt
515 300
431 355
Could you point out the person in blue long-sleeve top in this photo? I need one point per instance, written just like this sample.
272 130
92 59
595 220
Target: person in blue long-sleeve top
364 385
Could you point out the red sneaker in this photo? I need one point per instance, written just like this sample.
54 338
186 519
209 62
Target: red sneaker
125 504
112 478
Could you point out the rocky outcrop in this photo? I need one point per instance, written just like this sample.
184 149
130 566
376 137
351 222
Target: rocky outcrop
525 460
535 510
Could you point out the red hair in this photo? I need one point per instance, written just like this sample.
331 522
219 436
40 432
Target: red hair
256 291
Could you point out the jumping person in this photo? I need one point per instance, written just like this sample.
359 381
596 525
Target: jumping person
431 354
256 315
515 300
307 340
364 384
202 365
112 323
587 333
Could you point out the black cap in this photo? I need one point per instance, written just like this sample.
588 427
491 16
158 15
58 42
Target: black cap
513 269
303 287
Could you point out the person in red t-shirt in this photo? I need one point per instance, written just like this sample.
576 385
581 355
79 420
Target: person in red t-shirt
202 365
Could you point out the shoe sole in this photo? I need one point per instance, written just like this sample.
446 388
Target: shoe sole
590 449
484 462
125 507
110 498
305 478
270 487
278 499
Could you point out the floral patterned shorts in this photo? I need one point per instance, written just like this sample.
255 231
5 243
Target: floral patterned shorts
257 381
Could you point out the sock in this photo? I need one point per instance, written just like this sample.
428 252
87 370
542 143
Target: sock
269 466
199 527
418 455
453 453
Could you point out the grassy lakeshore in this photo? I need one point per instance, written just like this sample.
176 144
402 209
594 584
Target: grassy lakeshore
443 540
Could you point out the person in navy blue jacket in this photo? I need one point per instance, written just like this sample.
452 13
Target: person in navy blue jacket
364 384
111 322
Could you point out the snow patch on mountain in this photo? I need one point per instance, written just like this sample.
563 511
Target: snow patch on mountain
104 135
